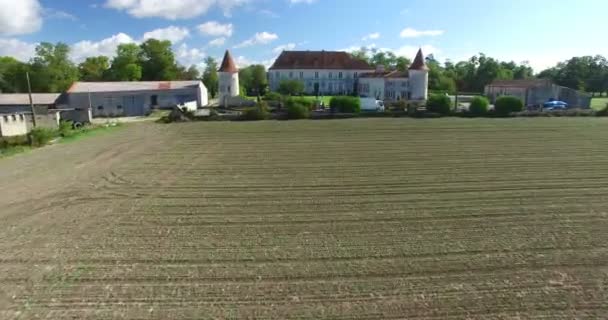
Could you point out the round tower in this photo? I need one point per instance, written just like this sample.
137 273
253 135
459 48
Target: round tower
228 76
419 78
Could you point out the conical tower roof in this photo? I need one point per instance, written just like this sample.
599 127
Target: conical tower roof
228 64
419 62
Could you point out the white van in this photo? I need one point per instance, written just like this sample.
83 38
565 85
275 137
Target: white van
371 104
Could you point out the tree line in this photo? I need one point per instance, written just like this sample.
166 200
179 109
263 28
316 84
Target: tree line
51 70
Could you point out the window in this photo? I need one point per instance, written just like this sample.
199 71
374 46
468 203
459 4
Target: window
228 89
14 117
277 75
5 118
99 107
331 75
290 74
118 107
356 75
301 75
316 75
339 75
21 117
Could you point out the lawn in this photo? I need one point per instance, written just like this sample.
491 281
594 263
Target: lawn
599 103
337 219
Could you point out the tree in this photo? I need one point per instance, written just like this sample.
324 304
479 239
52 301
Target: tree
507 104
253 79
157 60
125 65
291 87
210 77
403 63
12 75
51 69
191 73
94 68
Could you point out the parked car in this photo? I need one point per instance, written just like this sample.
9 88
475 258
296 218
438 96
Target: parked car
371 104
555 106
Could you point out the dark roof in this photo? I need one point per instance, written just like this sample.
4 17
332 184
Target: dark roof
319 60
228 64
120 86
524 83
419 62
386 74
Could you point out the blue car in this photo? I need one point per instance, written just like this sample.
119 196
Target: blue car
555 106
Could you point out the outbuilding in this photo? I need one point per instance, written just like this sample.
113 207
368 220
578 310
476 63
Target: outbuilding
535 92
109 99
20 102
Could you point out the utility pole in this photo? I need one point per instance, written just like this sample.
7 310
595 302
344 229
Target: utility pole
29 90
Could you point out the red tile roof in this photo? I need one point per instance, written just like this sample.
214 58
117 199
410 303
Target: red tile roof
319 60
387 74
228 64
419 62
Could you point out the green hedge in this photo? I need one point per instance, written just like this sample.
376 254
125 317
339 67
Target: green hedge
306 102
259 112
42 136
507 104
479 106
439 103
345 104
297 111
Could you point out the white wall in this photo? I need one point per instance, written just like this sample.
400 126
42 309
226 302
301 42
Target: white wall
419 84
229 85
203 95
376 87
321 76
13 125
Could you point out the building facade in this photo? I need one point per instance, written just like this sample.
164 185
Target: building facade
13 124
535 92
114 99
228 75
321 72
397 85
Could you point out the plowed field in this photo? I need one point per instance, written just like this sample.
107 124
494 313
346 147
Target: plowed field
347 219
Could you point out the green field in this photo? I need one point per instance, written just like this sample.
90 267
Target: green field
599 103
338 219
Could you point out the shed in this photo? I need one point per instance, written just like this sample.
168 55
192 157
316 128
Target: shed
20 102
534 92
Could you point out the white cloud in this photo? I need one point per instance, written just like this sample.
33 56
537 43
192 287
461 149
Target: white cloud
269 13
413 33
51 13
106 47
17 49
285 47
172 9
217 42
190 56
243 62
20 16
171 33
258 38
371 36
216 29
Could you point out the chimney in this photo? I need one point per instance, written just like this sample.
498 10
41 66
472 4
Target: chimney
380 68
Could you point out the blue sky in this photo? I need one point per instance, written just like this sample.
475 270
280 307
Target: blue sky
542 32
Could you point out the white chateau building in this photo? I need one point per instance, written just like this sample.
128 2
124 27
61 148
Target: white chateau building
228 75
339 73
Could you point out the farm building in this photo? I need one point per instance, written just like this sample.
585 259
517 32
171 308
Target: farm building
135 98
535 92
13 124
20 102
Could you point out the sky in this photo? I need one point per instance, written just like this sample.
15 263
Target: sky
541 32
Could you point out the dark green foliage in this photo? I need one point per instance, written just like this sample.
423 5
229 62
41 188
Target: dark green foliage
94 68
210 76
397 105
6 142
345 104
66 129
603 112
259 112
306 102
157 60
479 106
297 111
507 104
272 96
291 87
253 79
41 136
439 103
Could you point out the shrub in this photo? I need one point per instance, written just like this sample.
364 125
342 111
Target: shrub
345 104
297 111
66 129
479 106
439 103
259 112
507 104
41 136
291 87
400 105
308 103
6 142
603 112
272 96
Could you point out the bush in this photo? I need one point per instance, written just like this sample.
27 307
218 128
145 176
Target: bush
308 103
439 103
259 112
507 104
345 104
7 142
297 111
41 136
603 112
400 105
479 106
66 129
272 96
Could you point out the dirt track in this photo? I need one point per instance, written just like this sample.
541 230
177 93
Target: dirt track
386 218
